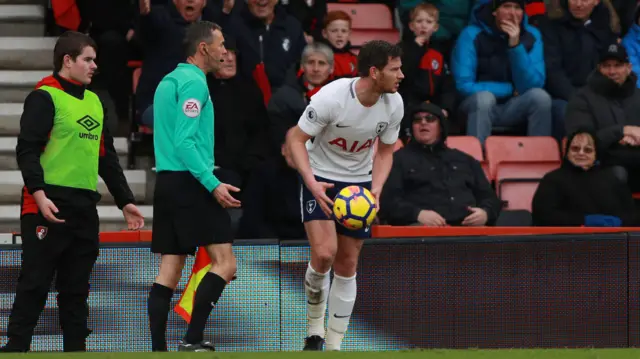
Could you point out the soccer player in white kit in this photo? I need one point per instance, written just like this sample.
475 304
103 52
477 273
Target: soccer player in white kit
332 147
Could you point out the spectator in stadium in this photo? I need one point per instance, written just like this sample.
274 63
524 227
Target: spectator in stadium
272 198
271 202
536 11
270 40
336 32
631 42
241 120
111 24
288 103
499 70
310 13
453 14
161 30
422 64
582 191
574 36
433 185
609 105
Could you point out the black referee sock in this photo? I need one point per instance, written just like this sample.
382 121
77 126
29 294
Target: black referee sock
158 308
207 295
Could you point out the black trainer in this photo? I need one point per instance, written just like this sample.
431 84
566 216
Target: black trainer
200 347
314 342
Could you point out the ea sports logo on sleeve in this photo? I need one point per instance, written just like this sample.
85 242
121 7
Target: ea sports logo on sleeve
191 108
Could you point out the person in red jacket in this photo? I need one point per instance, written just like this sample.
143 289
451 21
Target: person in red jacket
336 31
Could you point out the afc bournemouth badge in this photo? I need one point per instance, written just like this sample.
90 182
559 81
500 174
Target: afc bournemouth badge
41 232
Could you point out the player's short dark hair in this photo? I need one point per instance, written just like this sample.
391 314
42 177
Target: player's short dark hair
199 31
376 53
70 43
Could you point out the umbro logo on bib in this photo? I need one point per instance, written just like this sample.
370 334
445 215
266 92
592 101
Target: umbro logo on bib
88 123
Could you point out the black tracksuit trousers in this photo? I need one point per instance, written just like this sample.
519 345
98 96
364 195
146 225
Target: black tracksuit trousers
68 250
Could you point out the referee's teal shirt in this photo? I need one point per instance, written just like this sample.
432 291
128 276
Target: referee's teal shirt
183 125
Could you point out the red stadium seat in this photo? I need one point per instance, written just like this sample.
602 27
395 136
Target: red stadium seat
360 37
520 149
366 16
517 182
467 144
471 146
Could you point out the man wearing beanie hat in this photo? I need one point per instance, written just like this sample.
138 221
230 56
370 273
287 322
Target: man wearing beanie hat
433 185
498 66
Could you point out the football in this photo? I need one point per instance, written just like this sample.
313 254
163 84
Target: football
354 207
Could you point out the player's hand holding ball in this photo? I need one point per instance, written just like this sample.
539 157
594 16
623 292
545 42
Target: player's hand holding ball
318 189
222 195
355 207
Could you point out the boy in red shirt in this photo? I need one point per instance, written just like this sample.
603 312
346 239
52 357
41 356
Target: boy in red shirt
336 31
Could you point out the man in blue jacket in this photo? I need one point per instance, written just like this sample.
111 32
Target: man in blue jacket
498 66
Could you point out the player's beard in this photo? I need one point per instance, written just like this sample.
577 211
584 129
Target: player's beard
382 85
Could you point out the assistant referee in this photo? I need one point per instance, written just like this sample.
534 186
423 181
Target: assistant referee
189 201
63 147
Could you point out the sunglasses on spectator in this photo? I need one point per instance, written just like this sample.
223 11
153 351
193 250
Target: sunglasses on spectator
586 150
428 117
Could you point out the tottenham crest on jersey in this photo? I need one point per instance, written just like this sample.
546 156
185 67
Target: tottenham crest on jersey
191 108
381 126
41 232
311 206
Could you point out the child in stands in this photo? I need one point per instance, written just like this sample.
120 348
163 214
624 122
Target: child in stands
423 65
336 31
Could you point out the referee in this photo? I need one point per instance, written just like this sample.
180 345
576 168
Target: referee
62 148
189 205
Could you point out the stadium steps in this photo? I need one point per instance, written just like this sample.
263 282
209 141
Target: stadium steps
26 53
17 2
111 218
10 119
21 20
16 85
11 184
8 152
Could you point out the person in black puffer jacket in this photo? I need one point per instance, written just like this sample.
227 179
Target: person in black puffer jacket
582 191
609 105
434 185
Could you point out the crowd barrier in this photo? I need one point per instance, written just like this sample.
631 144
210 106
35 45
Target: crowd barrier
441 288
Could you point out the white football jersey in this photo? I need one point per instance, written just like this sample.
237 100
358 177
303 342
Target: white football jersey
344 130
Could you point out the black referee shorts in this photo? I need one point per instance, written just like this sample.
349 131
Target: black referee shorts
186 216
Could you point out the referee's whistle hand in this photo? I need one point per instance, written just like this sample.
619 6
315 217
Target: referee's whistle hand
222 195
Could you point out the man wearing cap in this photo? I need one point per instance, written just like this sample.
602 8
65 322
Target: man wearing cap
433 185
610 105
498 66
